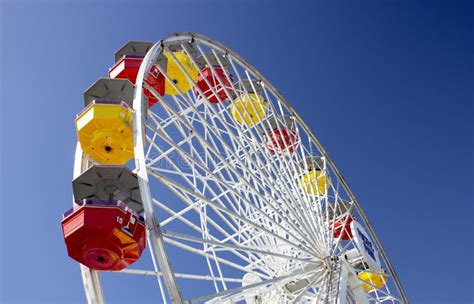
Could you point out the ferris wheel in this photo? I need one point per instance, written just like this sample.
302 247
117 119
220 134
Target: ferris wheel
226 177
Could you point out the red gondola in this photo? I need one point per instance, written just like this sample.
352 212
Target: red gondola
282 137
127 63
218 82
104 235
339 226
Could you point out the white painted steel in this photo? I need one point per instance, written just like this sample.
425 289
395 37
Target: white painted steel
237 209
90 278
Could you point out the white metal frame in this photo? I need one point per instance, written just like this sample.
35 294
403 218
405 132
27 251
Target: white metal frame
90 278
249 204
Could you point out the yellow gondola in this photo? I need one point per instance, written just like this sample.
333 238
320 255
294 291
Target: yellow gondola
314 181
249 108
176 74
377 280
104 130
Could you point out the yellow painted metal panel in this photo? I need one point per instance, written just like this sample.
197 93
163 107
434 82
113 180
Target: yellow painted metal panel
105 133
378 280
251 109
177 75
315 182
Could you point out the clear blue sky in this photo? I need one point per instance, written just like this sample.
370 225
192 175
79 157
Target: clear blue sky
387 86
